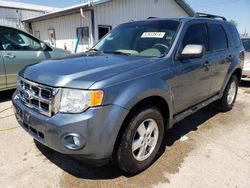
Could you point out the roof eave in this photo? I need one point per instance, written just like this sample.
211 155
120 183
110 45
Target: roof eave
186 7
65 11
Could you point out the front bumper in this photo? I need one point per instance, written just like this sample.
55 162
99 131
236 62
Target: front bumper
98 128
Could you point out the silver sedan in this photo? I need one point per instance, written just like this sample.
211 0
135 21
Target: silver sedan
246 68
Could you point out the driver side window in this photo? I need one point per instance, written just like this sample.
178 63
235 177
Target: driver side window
196 34
15 40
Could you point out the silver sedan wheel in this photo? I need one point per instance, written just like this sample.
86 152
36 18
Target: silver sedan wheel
145 139
231 93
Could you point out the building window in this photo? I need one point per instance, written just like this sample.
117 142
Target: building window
37 34
83 33
103 30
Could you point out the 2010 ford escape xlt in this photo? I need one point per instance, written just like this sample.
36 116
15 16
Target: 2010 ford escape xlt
114 102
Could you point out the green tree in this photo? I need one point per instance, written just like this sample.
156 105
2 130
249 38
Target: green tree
234 22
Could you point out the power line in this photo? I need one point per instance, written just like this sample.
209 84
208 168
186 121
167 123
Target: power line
214 4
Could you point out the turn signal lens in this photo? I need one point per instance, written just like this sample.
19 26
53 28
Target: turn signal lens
96 98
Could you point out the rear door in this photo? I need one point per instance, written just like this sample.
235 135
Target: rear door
193 76
222 55
18 50
2 72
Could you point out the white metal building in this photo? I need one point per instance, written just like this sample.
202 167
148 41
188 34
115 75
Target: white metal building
93 19
11 13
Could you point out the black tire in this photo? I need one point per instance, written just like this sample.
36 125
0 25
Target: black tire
124 156
224 105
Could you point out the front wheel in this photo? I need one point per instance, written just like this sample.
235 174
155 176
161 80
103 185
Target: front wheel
141 140
230 94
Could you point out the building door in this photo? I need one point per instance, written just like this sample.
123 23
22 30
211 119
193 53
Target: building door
103 30
52 37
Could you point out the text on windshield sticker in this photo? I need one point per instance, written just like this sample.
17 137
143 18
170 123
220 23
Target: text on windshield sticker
153 35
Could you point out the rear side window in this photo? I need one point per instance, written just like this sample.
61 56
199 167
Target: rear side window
217 37
235 37
196 34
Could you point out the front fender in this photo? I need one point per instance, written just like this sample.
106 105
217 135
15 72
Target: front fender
128 94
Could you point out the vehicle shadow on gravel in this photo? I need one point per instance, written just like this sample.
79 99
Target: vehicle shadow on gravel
77 168
84 171
189 124
245 84
6 95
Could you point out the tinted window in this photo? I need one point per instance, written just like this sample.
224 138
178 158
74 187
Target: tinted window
217 36
246 44
11 39
235 37
196 34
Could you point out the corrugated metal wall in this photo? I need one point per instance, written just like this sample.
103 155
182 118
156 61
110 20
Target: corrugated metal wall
65 30
119 11
111 13
13 17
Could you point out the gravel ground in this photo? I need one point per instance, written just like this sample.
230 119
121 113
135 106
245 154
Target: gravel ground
207 149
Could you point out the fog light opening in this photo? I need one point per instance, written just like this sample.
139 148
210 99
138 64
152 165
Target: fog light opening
73 141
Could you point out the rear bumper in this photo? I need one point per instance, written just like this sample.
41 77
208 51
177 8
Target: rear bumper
98 128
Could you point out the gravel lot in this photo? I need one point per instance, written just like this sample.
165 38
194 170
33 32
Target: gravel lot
207 149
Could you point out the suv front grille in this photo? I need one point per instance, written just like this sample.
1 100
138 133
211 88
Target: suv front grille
36 96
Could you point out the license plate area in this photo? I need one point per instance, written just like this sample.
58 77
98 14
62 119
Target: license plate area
24 120
18 112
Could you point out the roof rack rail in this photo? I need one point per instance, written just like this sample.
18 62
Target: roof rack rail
204 15
151 17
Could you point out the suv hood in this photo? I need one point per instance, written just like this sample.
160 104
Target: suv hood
81 71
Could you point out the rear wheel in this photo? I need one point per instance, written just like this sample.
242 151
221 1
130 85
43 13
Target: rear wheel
230 94
141 140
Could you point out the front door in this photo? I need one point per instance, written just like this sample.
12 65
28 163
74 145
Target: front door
18 50
193 76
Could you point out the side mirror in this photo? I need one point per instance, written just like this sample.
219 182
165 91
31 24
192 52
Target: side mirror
192 51
43 46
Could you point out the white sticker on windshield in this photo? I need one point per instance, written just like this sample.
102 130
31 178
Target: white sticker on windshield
153 35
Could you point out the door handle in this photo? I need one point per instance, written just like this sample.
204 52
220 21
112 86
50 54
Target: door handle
206 66
10 56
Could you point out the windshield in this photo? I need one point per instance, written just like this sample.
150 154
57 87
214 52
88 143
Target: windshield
145 38
246 44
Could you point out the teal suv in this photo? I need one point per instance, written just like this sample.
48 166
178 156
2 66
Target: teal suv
116 101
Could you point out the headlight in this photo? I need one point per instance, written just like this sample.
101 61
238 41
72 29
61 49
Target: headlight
76 101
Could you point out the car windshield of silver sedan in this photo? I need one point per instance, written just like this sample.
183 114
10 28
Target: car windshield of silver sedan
152 38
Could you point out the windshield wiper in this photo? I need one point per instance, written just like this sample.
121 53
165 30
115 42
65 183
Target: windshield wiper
94 50
116 52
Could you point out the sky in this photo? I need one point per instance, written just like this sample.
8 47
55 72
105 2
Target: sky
238 10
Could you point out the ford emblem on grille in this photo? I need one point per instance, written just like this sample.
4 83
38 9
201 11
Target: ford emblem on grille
36 96
28 94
